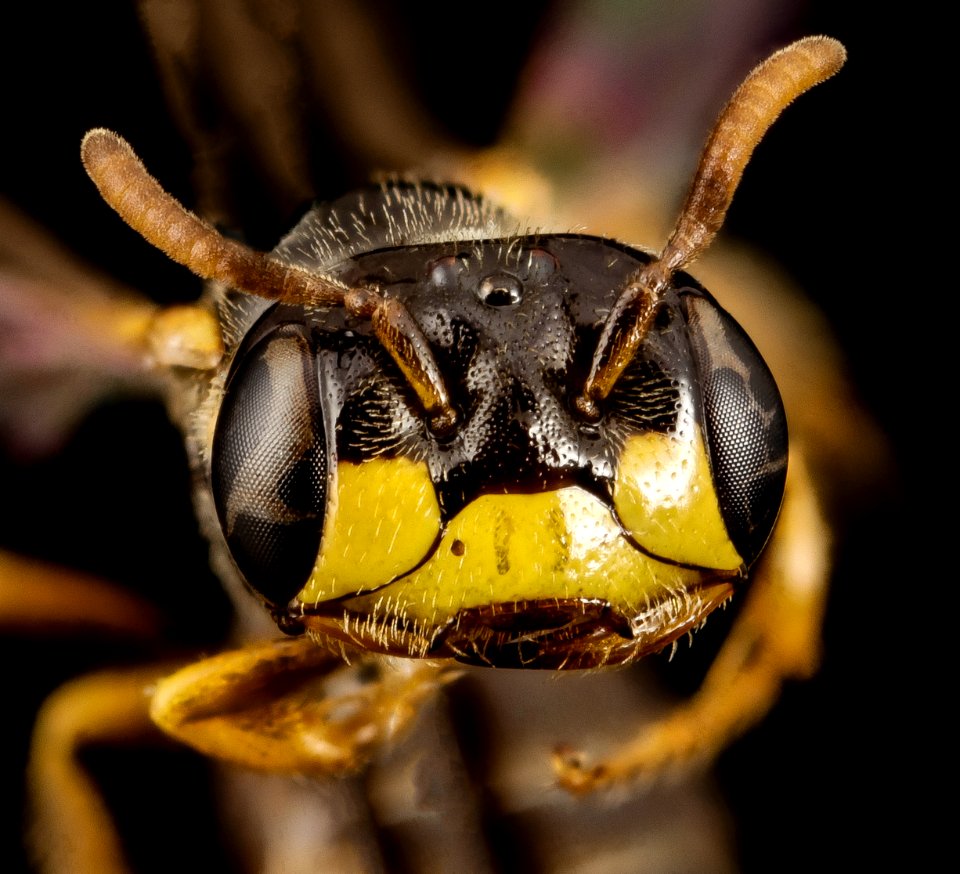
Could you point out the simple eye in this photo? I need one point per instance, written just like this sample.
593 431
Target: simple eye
744 421
500 290
269 464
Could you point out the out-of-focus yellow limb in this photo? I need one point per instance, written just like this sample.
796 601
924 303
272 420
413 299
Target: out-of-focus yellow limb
72 827
36 597
776 637
292 706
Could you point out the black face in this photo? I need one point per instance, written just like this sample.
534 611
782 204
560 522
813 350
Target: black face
513 325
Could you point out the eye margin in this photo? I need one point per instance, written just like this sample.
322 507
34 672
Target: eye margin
744 422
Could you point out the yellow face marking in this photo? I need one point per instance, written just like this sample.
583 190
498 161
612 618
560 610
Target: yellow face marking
505 548
665 498
382 520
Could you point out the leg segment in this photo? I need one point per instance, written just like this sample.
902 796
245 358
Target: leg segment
73 829
775 638
44 598
292 706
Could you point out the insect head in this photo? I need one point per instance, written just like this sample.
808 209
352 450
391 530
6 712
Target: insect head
433 435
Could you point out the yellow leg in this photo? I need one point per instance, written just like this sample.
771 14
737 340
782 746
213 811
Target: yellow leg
776 637
292 706
72 829
47 599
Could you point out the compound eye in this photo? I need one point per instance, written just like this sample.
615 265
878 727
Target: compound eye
269 464
744 423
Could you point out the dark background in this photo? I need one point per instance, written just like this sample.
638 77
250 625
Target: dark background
834 773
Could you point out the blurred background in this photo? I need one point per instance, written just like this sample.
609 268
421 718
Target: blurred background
833 773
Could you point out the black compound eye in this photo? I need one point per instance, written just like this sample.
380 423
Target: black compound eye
269 464
744 422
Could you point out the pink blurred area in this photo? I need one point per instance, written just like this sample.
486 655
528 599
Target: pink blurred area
833 772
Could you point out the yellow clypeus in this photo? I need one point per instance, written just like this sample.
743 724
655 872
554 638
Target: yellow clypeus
503 548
